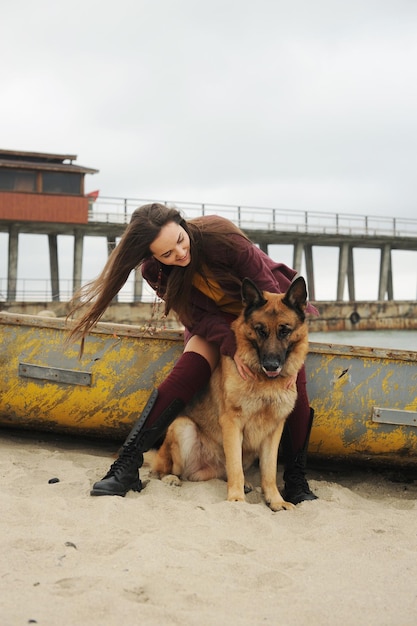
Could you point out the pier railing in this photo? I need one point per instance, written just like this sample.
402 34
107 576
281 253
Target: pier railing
119 210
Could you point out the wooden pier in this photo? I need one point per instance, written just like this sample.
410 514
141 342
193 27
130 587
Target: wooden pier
43 194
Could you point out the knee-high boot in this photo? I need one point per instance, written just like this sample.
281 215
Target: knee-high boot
191 373
123 475
296 487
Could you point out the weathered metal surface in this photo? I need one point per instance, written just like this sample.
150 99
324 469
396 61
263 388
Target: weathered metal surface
124 365
346 385
349 387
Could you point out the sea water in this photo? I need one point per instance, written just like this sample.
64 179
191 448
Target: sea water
394 339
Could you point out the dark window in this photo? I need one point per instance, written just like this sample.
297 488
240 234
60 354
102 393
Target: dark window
16 180
61 182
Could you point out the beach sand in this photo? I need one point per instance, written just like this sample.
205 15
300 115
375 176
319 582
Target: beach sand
185 556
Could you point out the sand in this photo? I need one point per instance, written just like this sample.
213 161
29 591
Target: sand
185 556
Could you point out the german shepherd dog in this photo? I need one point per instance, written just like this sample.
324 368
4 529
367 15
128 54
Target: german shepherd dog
235 421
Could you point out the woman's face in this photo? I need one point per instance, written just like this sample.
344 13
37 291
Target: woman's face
172 246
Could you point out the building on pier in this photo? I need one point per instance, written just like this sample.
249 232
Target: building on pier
43 193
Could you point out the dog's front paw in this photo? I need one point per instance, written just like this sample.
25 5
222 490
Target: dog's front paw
235 499
171 480
235 495
279 505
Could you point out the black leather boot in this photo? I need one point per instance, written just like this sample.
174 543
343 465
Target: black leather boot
123 475
296 487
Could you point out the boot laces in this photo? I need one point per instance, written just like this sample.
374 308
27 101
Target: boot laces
123 462
299 481
295 476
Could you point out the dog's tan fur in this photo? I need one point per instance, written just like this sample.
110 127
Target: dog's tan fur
236 420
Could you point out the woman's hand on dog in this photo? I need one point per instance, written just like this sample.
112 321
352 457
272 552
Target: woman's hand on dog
244 371
290 381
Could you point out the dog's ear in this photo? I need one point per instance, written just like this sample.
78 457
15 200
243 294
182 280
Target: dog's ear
296 297
251 296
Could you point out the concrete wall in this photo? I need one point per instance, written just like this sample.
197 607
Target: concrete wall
383 315
333 315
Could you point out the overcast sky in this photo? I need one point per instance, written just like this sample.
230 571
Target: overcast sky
301 104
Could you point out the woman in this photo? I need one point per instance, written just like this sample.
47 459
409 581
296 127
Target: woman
196 267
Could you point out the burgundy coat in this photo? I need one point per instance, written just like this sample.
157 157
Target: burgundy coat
245 261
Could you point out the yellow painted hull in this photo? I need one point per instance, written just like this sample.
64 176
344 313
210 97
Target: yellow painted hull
365 402
365 399
106 388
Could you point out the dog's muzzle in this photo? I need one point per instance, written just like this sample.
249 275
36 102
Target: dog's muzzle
272 373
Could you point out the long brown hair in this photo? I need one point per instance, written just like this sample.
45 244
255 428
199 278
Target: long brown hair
134 248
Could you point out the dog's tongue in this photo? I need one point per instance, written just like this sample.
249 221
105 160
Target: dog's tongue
273 374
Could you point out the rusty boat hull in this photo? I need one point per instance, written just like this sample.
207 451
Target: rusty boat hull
365 399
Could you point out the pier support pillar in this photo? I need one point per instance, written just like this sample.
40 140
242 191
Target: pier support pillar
137 286
345 271
78 260
12 263
351 276
385 274
111 244
297 256
308 252
53 264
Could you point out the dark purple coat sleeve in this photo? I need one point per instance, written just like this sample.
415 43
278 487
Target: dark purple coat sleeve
249 261
212 324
